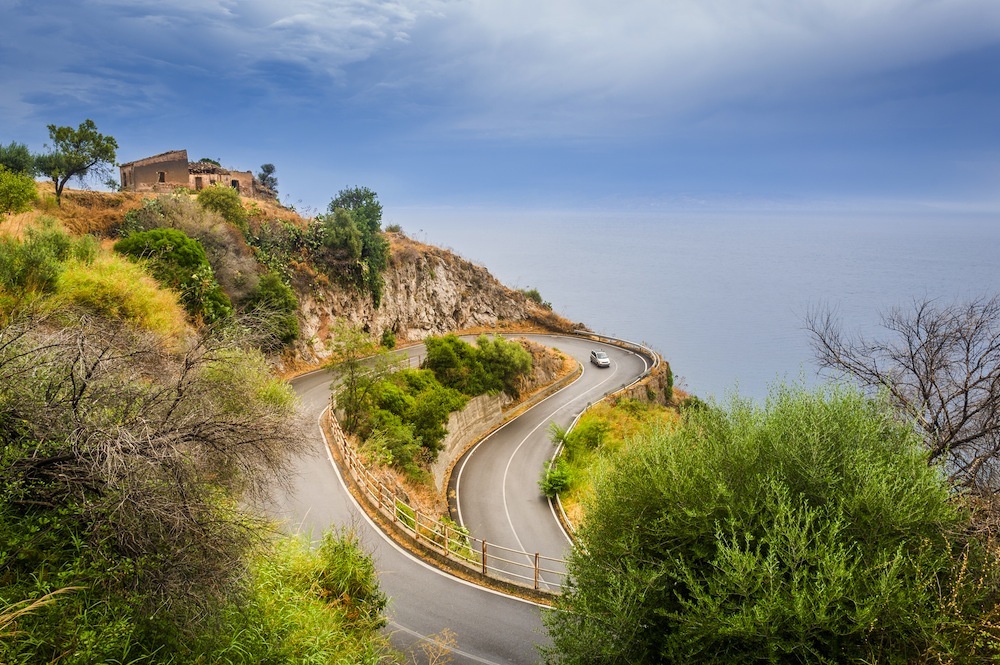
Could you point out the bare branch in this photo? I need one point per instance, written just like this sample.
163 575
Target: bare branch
939 365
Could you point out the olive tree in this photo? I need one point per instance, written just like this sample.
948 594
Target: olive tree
76 153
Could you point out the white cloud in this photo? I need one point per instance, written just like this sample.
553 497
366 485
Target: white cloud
517 66
671 56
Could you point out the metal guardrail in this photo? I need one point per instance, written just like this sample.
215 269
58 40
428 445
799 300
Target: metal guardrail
527 569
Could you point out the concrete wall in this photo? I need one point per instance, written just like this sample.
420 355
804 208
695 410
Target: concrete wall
465 427
145 177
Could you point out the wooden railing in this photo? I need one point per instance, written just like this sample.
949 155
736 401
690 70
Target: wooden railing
527 569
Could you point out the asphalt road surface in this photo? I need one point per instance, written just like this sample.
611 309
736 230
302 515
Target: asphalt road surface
498 499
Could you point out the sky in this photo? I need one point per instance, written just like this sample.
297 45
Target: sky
574 104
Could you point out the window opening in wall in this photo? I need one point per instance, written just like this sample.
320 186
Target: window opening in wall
236 185
161 176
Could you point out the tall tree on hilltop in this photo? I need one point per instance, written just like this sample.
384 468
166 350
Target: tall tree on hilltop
367 211
77 153
267 178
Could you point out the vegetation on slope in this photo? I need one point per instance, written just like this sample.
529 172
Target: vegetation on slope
809 530
401 414
132 438
602 433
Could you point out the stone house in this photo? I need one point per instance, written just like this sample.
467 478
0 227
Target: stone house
169 170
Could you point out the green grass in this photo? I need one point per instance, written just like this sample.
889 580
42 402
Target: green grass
114 286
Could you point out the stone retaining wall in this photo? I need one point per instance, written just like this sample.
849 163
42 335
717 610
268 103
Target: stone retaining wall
481 415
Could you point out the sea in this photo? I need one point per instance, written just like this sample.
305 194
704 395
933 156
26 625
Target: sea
723 294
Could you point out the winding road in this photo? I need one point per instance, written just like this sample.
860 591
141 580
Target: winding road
497 498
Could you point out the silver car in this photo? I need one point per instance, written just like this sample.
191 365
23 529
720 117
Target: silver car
600 358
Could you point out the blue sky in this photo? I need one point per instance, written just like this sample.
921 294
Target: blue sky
544 103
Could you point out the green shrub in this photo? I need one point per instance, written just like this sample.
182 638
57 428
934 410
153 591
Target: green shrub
276 301
232 260
178 262
412 406
17 191
388 339
348 578
810 530
555 478
32 266
225 201
495 365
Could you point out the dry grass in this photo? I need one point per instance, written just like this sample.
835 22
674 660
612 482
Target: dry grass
84 211
113 286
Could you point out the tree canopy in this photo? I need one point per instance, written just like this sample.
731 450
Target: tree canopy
366 210
76 153
267 178
808 530
16 158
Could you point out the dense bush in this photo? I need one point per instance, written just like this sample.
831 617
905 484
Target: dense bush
232 260
493 366
32 267
277 305
225 201
555 478
410 409
123 473
179 262
811 530
17 191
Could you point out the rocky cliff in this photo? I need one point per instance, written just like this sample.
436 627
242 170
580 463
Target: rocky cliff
428 291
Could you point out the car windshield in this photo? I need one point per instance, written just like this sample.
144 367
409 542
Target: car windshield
601 355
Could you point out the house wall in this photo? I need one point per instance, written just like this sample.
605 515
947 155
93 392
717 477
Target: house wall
244 179
146 177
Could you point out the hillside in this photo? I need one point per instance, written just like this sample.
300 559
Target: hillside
427 290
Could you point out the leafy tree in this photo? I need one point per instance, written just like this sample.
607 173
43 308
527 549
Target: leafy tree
364 204
267 178
367 213
17 191
76 153
16 158
342 239
359 364
210 161
940 366
809 530
179 262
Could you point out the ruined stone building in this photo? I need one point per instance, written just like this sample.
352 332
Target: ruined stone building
168 170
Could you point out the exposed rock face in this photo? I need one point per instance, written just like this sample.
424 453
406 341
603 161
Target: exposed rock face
428 291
